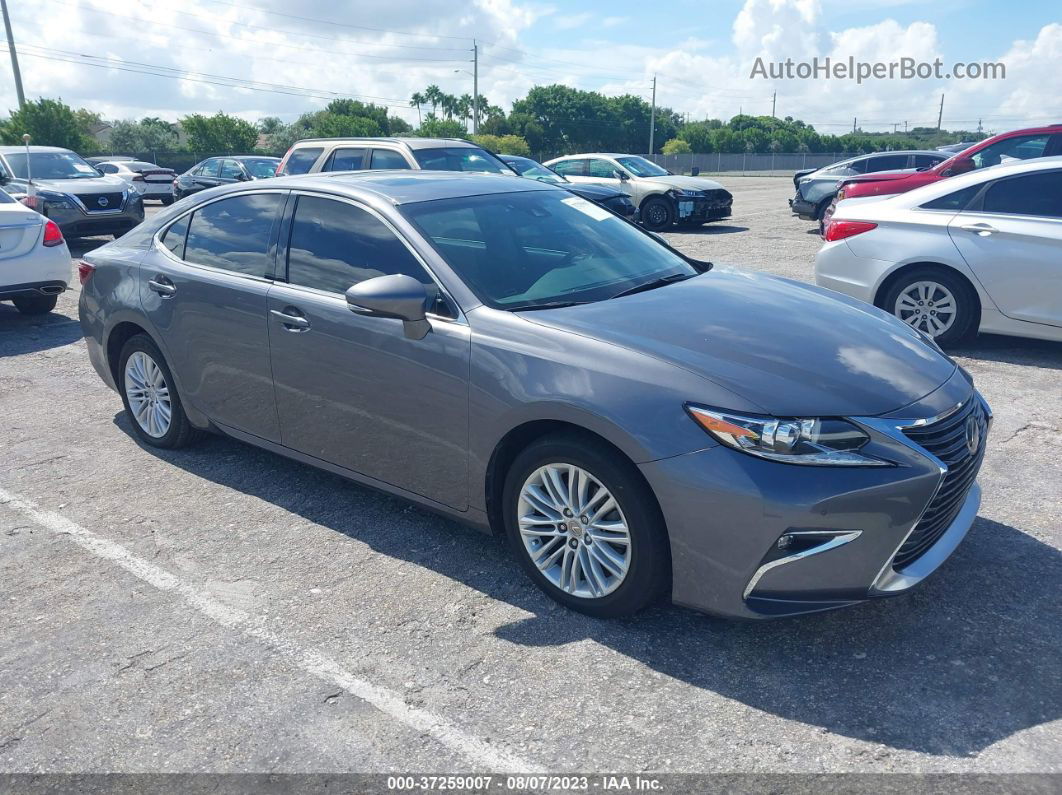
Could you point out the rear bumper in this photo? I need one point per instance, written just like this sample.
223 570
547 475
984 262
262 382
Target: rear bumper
726 511
838 268
50 287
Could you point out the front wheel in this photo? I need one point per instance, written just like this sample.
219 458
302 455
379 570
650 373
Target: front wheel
35 304
936 302
150 395
585 526
657 214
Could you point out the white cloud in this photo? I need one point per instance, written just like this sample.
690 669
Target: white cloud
571 21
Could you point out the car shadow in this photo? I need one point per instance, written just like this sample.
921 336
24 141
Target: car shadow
1012 350
79 246
21 334
966 660
708 229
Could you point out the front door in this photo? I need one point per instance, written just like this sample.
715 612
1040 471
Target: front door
353 390
205 294
1013 244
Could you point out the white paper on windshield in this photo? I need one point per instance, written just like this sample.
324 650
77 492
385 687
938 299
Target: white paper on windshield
82 168
588 208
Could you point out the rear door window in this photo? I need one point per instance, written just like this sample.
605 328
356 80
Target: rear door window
235 234
887 163
570 168
345 159
1032 194
387 158
927 161
301 160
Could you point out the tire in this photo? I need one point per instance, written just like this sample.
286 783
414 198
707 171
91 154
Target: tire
166 200
820 211
601 592
179 431
657 214
934 287
35 304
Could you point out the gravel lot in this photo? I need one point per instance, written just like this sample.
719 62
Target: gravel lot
223 609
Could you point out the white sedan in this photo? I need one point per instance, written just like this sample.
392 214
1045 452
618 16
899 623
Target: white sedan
147 179
34 260
981 251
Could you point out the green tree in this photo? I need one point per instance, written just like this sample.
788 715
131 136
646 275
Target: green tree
504 144
49 122
677 146
220 133
440 128
270 125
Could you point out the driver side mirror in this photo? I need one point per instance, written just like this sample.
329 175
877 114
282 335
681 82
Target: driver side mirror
620 175
4 178
395 296
959 167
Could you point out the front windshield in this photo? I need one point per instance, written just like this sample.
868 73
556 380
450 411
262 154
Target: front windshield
526 167
460 158
641 167
260 169
540 247
51 165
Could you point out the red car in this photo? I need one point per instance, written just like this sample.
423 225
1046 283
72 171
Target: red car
1015 145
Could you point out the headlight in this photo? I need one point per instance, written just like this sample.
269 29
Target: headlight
681 192
816 441
58 204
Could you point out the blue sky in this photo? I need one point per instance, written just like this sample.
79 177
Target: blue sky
385 50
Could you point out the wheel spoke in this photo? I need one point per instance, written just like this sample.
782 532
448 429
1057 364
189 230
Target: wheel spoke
609 558
548 555
594 574
541 502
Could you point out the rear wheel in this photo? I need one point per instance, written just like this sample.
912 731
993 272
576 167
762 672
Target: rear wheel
657 214
35 304
150 395
585 526
936 302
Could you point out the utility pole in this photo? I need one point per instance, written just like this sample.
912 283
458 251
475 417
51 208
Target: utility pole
774 99
940 115
905 128
652 118
475 87
14 56
894 126
853 124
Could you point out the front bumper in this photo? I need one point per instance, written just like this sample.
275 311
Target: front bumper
726 511
76 222
802 208
699 209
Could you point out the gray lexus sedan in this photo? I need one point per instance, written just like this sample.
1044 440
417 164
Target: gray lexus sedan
635 422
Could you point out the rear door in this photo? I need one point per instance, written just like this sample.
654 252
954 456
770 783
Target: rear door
204 290
1012 240
351 389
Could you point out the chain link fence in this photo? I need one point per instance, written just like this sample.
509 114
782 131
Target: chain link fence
760 164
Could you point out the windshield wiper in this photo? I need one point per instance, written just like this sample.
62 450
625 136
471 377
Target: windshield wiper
654 283
546 305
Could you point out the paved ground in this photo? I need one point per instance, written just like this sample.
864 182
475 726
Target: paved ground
223 609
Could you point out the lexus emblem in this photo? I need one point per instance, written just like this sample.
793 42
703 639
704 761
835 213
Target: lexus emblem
973 435
102 201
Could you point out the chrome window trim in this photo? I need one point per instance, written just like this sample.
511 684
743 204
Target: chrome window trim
838 538
460 319
159 246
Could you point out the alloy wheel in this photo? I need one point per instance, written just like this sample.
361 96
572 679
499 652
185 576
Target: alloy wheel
148 394
574 530
927 306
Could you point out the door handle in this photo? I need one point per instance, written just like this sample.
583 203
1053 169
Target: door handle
981 230
289 321
162 286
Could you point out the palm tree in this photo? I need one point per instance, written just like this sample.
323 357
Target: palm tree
433 95
416 101
464 107
448 102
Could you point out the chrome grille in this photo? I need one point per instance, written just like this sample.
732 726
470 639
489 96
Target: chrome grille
112 202
947 439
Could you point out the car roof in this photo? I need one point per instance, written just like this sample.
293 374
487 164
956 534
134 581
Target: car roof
249 157
412 143
596 154
34 150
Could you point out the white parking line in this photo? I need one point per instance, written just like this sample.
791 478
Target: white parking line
309 660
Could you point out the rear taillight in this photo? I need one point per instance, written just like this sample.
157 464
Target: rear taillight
283 162
53 235
85 271
839 230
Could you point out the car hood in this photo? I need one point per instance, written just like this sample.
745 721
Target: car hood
686 183
77 187
792 349
589 190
